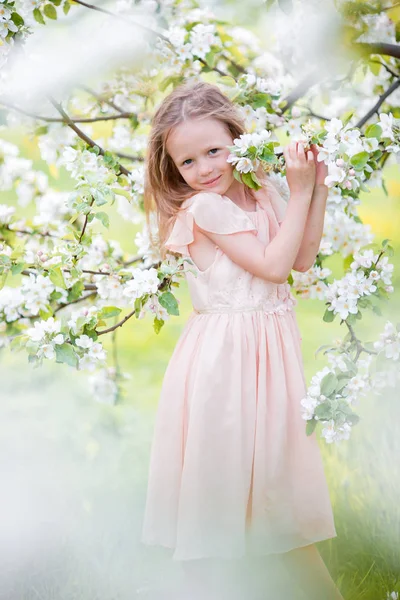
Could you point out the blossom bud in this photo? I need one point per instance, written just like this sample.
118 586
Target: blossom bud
348 185
39 252
340 162
85 312
43 257
352 172
105 267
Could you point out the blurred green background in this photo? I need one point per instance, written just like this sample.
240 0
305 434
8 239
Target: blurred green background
96 456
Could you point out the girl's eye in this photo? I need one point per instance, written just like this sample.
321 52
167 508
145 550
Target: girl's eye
187 161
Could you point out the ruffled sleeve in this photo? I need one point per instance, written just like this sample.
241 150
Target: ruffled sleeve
211 212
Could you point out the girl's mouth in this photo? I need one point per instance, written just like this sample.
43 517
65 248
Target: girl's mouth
212 181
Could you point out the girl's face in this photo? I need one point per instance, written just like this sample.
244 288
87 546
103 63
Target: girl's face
198 149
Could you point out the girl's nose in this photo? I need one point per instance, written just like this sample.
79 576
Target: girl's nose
205 169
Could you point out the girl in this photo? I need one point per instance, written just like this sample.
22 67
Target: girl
233 477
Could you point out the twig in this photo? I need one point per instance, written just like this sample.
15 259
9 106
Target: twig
381 100
81 134
379 48
300 90
75 301
122 115
101 98
124 19
390 7
388 69
130 157
25 232
85 222
359 347
119 324
317 116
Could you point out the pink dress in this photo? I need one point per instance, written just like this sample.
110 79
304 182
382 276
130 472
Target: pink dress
232 471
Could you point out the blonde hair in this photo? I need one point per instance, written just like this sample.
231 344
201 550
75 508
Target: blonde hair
165 189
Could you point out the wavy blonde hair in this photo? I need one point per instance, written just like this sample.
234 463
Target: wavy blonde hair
165 189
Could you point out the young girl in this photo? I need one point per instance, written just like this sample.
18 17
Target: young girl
233 477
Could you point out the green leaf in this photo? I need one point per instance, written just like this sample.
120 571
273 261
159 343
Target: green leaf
329 316
169 302
237 175
66 354
50 11
268 156
359 160
248 180
328 384
104 218
375 67
210 59
310 427
347 261
19 342
323 411
57 277
109 311
255 180
3 278
353 419
75 291
260 100
373 131
351 319
341 385
66 7
157 324
56 2
17 19
227 80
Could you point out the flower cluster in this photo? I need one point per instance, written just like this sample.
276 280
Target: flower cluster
312 283
351 157
248 151
370 274
389 341
332 393
344 234
87 166
44 336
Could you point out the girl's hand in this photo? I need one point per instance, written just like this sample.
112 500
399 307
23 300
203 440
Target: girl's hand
321 169
300 169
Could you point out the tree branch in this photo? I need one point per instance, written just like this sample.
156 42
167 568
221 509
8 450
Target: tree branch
100 98
25 232
122 115
81 134
388 69
124 19
379 48
119 324
74 301
130 157
376 107
300 90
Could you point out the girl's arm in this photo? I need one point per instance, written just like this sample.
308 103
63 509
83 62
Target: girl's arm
274 261
315 219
